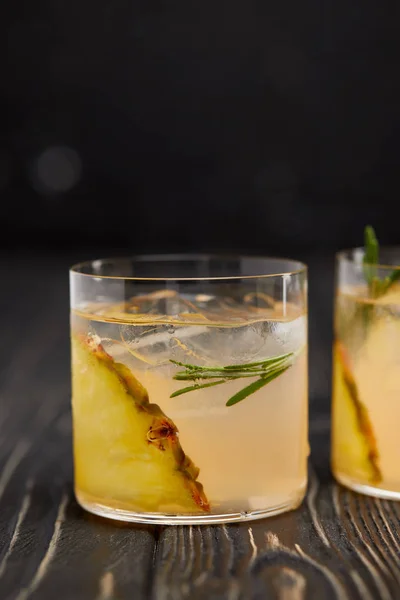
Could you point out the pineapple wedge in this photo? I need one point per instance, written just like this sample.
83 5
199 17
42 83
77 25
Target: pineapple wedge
355 452
127 451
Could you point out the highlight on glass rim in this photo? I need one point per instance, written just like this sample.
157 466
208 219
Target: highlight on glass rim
190 400
366 369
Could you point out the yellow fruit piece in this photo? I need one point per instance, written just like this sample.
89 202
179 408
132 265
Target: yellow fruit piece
127 451
354 449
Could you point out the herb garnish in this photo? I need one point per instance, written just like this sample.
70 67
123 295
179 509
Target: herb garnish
377 286
267 370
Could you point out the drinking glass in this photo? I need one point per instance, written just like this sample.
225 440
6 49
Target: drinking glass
366 374
189 387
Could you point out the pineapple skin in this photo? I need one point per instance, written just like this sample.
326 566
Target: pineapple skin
127 452
354 449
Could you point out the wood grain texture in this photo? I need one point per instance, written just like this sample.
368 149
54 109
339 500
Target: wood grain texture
338 545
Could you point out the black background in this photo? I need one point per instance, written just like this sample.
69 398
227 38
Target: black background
149 125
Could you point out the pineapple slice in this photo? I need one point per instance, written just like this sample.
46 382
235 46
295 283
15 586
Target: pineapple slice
355 452
127 451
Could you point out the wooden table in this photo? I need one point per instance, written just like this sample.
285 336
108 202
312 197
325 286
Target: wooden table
337 545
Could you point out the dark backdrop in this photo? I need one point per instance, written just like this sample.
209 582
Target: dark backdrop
148 125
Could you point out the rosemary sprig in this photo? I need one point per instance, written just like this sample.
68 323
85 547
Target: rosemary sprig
266 370
377 286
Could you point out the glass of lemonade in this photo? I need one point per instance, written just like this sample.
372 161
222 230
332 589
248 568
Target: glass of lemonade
189 387
366 373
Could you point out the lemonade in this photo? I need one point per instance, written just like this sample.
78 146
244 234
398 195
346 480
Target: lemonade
366 391
189 407
366 370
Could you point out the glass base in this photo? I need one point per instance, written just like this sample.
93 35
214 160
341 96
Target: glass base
368 490
118 514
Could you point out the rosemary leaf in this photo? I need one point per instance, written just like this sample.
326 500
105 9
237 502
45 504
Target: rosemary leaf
266 370
260 363
264 363
256 385
197 386
194 376
392 278
377 287
371 254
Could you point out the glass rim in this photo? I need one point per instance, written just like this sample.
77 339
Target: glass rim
348 254
179 257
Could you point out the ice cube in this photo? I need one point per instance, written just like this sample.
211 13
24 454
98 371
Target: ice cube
204 329
255 341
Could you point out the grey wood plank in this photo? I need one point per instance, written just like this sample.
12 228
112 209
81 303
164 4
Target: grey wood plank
48 545
337 545
60 546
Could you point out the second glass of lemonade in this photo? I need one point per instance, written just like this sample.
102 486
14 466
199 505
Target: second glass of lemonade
366 374
189 387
